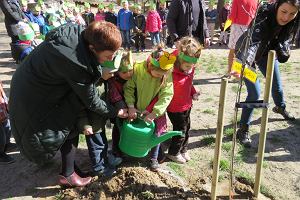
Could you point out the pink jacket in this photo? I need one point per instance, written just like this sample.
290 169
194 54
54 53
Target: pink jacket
240 11
153 23
99 16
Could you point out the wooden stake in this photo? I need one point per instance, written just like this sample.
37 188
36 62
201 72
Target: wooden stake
219 136
264 122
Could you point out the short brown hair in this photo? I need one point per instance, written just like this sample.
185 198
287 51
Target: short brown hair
103 36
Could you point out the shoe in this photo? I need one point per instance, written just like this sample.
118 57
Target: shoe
178 159
220 44
243 136
73 180
154 165
284 113
6 159
186 156
115 160
10 147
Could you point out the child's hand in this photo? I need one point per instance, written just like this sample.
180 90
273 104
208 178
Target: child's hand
145 113
88 131
132 113
123 113
150 117
196 96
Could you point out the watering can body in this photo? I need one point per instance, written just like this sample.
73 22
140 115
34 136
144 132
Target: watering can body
137 137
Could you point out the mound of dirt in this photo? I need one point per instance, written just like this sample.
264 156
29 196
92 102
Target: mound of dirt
135 183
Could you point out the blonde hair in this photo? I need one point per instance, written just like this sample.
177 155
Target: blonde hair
189 46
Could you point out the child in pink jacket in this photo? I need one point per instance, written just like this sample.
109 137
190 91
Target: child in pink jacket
153 25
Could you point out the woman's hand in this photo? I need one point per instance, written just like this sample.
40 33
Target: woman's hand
106 74
88 131
123 113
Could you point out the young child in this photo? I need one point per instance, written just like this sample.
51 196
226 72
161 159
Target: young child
93 125
116 98
139 21
163 13
78 18
153 25
211 16
179 110
125 24
87 15
223 16
100 15
110 15
151 83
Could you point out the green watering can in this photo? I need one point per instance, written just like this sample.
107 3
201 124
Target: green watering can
138 137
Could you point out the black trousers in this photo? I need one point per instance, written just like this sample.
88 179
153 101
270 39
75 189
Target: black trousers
139 41
68 151
181 122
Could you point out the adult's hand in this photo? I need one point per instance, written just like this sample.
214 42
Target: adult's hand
88 131
132 113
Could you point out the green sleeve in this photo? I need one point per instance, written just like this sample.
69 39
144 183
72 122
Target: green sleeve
129 89
165 96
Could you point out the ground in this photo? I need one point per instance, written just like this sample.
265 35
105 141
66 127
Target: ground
280 177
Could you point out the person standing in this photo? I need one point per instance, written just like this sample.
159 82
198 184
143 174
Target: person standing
241 14
211 16
223 16
12 15
275 28
125 23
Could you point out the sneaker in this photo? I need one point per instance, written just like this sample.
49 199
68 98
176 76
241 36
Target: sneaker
10 147
284 113
186 156
115 160
243 136
6 159
178 159
154 165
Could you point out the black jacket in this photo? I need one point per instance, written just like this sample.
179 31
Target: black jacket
139 21
267 35
111 17
180 20
49 89
13 14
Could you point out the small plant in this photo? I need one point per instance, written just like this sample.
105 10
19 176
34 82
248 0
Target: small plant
209 111
176 168
147 195
228 132
59 196
209 140
81 139
224 165
265 164
226 146
235 89
209 99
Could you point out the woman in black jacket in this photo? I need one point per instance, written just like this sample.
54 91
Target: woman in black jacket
274 29
53 84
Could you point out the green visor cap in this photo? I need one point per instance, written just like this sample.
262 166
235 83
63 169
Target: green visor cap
187 58
154 62
126 66
112 65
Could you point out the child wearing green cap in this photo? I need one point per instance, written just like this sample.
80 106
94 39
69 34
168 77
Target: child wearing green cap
110 15
100 15
87 15
149 93
179 110
139 22
163 13
153 25
116 98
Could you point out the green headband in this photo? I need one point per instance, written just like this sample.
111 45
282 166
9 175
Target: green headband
155 63
188 59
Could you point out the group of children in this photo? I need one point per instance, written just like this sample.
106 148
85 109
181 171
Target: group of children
169 90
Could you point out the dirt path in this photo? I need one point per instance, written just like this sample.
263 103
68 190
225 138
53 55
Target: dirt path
281 173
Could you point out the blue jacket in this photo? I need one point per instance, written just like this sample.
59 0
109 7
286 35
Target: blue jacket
125 19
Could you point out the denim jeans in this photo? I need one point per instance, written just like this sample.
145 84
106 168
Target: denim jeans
126 38
155 38
5 133
97 146
254 89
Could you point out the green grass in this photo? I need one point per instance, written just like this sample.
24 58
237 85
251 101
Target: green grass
228 132
176 168
147 195
59 196
209 140
212 64
227 146
242 154
286 67
295 97
224 165
265 164
209 111
245 176
235 89
209 99
82 139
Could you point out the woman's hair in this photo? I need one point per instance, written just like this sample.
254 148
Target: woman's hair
295 3
103 36
189 46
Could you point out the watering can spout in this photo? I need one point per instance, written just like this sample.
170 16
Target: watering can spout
156 140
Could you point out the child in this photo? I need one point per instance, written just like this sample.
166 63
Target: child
163 13
87 15
93 126
179 109
100 15
211 16
153 25
78 18
5 130
125 24
151 83
223 16
110 15
139 29
116 98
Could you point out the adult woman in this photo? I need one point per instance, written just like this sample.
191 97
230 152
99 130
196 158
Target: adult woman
274 29
53 84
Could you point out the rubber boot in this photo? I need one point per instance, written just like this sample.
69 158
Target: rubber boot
243 135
